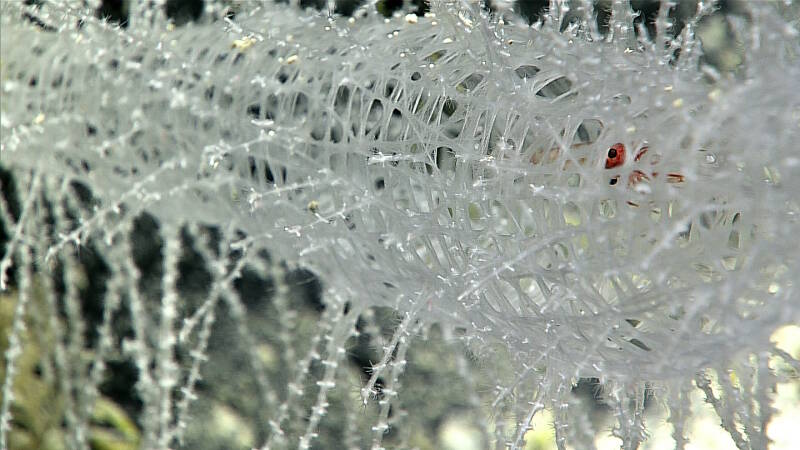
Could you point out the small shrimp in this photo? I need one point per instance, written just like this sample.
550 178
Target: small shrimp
615 157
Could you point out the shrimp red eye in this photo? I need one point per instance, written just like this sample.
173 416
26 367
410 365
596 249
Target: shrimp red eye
615 156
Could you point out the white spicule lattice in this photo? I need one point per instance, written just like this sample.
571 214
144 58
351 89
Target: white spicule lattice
597 205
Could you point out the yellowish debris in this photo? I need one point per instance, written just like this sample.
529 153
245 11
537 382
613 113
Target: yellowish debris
243 44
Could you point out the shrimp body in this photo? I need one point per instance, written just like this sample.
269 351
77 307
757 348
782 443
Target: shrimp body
616 155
